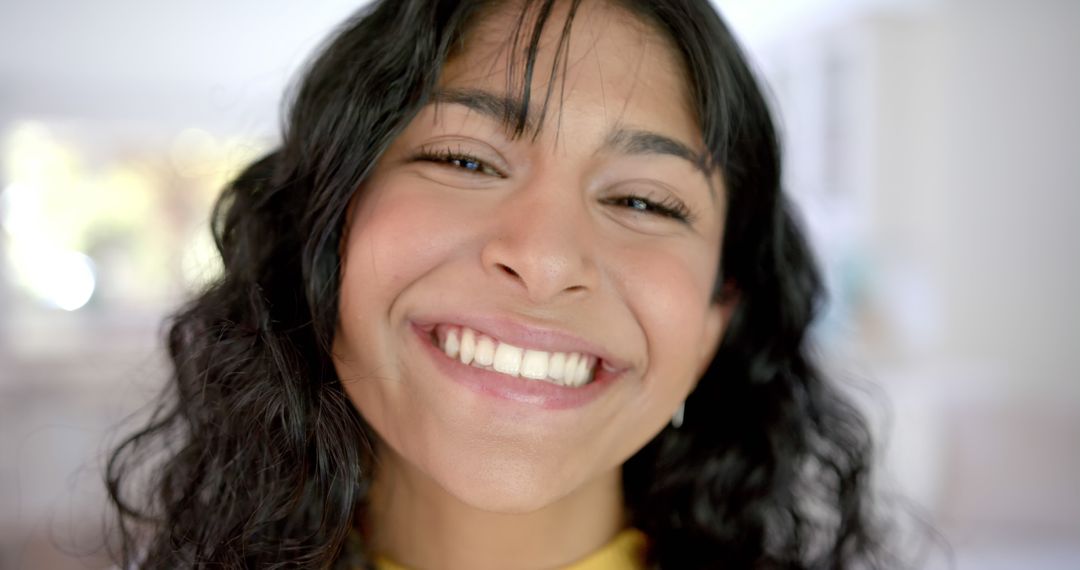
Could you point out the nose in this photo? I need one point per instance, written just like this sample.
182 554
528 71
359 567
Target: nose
540 244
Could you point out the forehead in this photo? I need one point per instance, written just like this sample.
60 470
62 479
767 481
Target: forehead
599 62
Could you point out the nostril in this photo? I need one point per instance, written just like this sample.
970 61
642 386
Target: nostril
508 270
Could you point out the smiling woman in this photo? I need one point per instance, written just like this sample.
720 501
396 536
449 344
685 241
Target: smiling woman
518 290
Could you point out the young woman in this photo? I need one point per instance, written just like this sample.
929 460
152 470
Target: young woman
518 290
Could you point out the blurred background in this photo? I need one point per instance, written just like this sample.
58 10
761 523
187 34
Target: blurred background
933 145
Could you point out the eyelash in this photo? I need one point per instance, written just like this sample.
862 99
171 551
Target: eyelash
455 159
669 208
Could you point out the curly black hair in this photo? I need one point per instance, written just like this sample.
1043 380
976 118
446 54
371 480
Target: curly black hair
251 458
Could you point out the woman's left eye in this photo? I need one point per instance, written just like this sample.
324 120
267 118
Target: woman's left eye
669 208
458 160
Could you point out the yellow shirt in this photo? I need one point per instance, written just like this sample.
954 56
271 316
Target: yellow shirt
625 552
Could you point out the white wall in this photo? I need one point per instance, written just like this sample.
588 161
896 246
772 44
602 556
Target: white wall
936 149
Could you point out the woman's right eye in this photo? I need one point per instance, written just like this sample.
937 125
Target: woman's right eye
458 160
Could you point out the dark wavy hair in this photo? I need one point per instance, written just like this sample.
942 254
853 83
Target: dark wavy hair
255 456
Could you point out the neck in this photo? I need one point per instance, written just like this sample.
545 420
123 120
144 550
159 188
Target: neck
415 522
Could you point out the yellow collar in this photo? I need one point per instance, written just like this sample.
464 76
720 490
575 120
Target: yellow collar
625 552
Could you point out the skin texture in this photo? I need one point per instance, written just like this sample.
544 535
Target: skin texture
543 236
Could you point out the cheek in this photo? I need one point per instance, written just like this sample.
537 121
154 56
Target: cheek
399 231
395 238
669 291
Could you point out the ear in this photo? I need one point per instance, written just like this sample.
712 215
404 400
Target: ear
716 319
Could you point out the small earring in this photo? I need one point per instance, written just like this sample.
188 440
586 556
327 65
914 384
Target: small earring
677 417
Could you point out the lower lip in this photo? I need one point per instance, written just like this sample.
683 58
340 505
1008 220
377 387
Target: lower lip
537 393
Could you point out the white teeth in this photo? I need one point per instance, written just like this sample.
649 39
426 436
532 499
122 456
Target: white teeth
570 369
468 345
535 364
452 344
485 351
475 349
582 372
507 359
577 375
556 366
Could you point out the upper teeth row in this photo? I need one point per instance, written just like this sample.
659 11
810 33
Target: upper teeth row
470 347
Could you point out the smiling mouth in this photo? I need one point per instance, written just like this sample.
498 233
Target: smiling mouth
570 369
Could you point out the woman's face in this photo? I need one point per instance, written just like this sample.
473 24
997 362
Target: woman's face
539 249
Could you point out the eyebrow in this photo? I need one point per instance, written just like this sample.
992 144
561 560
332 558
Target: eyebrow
637 142
632 141
506 110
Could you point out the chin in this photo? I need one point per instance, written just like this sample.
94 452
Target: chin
501 485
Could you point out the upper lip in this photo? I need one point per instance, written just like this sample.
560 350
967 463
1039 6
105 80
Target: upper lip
529 336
